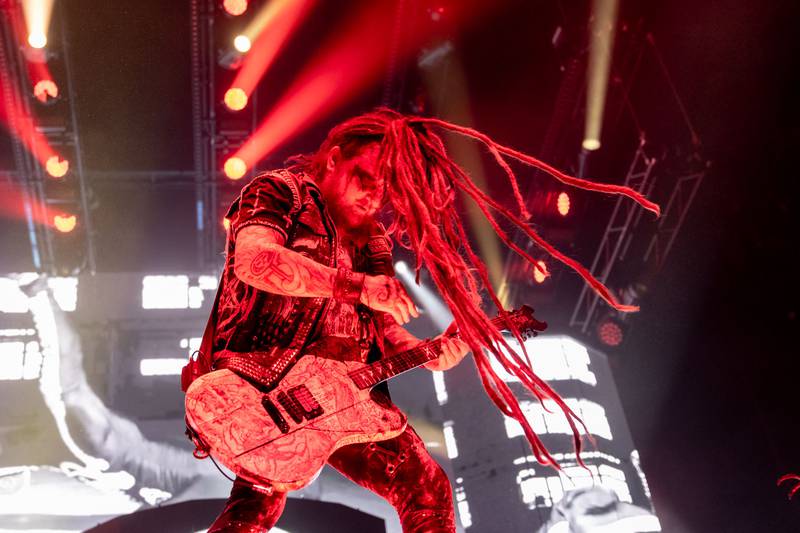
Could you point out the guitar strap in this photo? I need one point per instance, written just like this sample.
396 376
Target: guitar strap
202 363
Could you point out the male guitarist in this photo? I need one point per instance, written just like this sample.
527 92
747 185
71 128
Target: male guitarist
295 236
309 271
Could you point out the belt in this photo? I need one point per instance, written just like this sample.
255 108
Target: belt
264 368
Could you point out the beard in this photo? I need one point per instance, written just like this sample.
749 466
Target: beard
351 220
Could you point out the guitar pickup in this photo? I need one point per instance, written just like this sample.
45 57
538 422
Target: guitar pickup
292 407
306 401
275 414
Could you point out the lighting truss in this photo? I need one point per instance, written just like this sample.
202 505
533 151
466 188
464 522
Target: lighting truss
28 173
213 138
617 234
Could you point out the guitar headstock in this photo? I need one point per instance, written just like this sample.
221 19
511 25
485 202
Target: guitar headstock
527 324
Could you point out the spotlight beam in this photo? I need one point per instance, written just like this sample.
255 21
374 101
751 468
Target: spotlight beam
37 20
14 114
346 68
21 126
438 313
268 32
444 74
603 26
13 206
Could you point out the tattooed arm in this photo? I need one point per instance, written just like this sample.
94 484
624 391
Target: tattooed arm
261 260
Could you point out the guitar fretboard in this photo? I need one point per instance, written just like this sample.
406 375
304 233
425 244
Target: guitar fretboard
388 367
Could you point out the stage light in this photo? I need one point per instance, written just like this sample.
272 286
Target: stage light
562 204
235 168
56 166
427 300
610 332
343 69
540 274
591 144
436 13
226 224
37 19
269 30
601 46
235 99
37 40
401 268
242 43
45 91
234 7
65 223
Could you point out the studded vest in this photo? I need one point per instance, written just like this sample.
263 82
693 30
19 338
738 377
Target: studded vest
260 334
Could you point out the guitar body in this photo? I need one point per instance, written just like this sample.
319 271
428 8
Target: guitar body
285 437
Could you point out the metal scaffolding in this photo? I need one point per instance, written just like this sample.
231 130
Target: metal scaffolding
617 234
27 173
38 199
674 214
214 139
682 187
204 129
71 135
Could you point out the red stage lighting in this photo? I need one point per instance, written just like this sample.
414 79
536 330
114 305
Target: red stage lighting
56 166
610 332
234 7
436 13
344 68
65 223
13 117
562 204
540 274
45 91
242 43
235 99
235 168
226 224
280 21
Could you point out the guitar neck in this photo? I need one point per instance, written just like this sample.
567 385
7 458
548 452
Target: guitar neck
395 364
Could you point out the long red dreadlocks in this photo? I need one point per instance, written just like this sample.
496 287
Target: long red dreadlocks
421 181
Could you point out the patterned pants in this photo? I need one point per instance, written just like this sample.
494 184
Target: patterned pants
400 470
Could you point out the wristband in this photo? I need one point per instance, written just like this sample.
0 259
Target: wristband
347 286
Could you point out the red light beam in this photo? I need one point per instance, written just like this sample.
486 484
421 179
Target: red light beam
352 60
12 206
21 126
15 120
271 31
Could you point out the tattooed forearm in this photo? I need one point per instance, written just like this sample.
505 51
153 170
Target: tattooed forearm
267 265
261 260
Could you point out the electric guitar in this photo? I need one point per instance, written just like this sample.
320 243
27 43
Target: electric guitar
285 436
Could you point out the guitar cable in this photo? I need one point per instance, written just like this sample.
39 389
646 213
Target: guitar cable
201 452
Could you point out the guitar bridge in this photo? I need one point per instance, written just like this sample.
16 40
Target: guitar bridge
292 407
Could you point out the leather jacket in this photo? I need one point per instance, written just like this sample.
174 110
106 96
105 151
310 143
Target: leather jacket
260 334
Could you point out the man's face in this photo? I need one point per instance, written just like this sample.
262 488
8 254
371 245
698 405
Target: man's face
352 190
